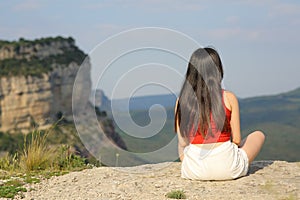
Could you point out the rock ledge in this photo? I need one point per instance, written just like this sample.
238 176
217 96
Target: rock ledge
266 180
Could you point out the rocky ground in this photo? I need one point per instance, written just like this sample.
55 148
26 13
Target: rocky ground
266 180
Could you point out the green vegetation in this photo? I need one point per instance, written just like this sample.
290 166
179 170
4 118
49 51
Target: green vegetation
278 117
36 66
38 158
41 41
69 161
10 142
176 194
9 162
9 191
36 155
12 183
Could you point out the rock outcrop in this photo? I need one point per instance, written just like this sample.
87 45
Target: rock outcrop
43 92
100 100
40 48
39 82
265 180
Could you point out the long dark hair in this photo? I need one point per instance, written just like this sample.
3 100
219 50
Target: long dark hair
200 99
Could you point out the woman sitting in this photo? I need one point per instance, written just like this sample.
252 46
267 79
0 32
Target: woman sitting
207 121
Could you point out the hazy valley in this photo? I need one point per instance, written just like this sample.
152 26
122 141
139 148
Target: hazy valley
278 116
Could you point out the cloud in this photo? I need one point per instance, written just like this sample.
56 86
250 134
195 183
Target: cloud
96 34
275 35
284 9
256 2
236 33
273 7
149 5
178 5
232 20
109 29
27 5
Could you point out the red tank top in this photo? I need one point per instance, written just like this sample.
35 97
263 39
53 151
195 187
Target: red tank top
219 136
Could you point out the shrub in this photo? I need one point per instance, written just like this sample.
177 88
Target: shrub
68 160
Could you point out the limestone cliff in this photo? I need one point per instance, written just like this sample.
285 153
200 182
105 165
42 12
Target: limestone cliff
100 100
36 81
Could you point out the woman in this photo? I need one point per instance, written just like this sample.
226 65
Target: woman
208 124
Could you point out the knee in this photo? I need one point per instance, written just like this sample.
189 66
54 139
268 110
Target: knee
260 135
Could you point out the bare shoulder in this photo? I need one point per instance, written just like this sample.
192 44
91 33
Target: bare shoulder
231 98
230 94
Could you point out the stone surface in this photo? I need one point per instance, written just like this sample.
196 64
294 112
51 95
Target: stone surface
25 100
266 180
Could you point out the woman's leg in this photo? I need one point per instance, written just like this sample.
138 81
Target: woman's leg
252 144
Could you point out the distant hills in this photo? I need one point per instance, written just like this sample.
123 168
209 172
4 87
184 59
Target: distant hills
145 102
278 116
99 99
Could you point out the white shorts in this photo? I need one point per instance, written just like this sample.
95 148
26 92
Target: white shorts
223 162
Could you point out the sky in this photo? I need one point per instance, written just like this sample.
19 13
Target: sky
258 40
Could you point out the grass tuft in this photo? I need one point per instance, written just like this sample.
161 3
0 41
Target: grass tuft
9 162
176 194
36 161
36 154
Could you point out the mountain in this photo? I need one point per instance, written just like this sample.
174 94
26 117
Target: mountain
43 80
36 81
278 116
283 108
144 102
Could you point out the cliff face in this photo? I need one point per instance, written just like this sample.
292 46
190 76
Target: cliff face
45 92
23 101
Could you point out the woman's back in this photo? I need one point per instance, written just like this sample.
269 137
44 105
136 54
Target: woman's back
217 136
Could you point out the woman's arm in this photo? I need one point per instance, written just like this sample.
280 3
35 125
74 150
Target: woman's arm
181 142
235 118
181 145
